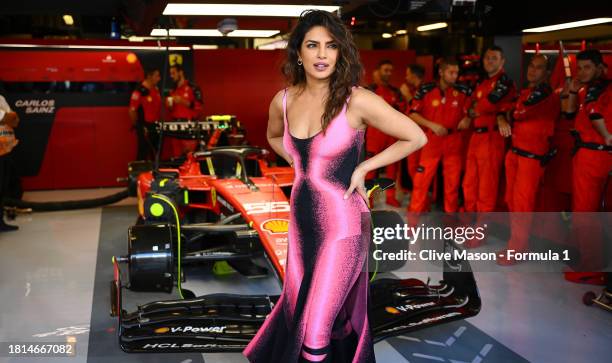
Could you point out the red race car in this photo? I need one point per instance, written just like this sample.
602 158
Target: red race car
227 204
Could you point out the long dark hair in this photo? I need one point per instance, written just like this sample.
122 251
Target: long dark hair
348 70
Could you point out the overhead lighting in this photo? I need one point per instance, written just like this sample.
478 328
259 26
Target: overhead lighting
243 9
240 33
401 32
105 47
204 46
387 35
277 44
424 28
573 24
68 20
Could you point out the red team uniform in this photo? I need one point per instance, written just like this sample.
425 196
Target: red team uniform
147 104
592 164
180 112
377 141
486 148
593 159
147 101
534 117
556 191
446 108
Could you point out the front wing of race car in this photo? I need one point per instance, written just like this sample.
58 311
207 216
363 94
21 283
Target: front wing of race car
227 322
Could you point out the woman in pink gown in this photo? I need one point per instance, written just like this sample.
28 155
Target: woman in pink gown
317 125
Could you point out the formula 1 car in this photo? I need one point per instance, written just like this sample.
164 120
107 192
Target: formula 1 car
227 204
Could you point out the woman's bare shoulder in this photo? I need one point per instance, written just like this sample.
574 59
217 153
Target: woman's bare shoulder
361 97
277 100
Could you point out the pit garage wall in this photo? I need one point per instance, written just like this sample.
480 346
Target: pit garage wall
86 139
242 82
73 105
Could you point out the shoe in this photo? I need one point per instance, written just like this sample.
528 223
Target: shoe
7 227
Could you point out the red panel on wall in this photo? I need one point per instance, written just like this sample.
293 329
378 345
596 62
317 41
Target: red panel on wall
244 81
81 66
86 149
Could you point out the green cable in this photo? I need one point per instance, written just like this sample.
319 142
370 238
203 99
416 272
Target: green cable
178 229
369 193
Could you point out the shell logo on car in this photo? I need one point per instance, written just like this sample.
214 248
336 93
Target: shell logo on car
276 225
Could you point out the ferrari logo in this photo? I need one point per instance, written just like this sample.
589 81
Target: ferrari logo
175 58
479 94
435 103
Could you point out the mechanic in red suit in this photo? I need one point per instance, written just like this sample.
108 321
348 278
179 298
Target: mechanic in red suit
493 97
185 103
556 190
144 111
442 109
590 98
533 123
414 78
377 141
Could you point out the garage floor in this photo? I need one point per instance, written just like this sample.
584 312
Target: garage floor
55 271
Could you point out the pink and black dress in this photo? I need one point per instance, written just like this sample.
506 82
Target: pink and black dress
321 315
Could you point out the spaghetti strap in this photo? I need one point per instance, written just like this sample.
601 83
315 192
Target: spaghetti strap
285 108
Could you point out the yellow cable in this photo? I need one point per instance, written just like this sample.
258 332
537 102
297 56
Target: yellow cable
178 229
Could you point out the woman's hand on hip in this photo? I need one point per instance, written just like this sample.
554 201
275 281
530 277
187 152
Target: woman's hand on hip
357 183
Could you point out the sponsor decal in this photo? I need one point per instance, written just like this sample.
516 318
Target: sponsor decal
411 307
424 321
479 94
191 329
188 346
455 93
35 106
266 207
109 59
275 226
435 103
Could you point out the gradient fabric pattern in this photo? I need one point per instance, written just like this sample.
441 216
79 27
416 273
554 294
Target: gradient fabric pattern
321 315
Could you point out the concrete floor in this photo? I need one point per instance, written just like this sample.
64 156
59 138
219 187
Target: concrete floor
48 268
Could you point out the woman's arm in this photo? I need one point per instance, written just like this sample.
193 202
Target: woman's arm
373 111
276 127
